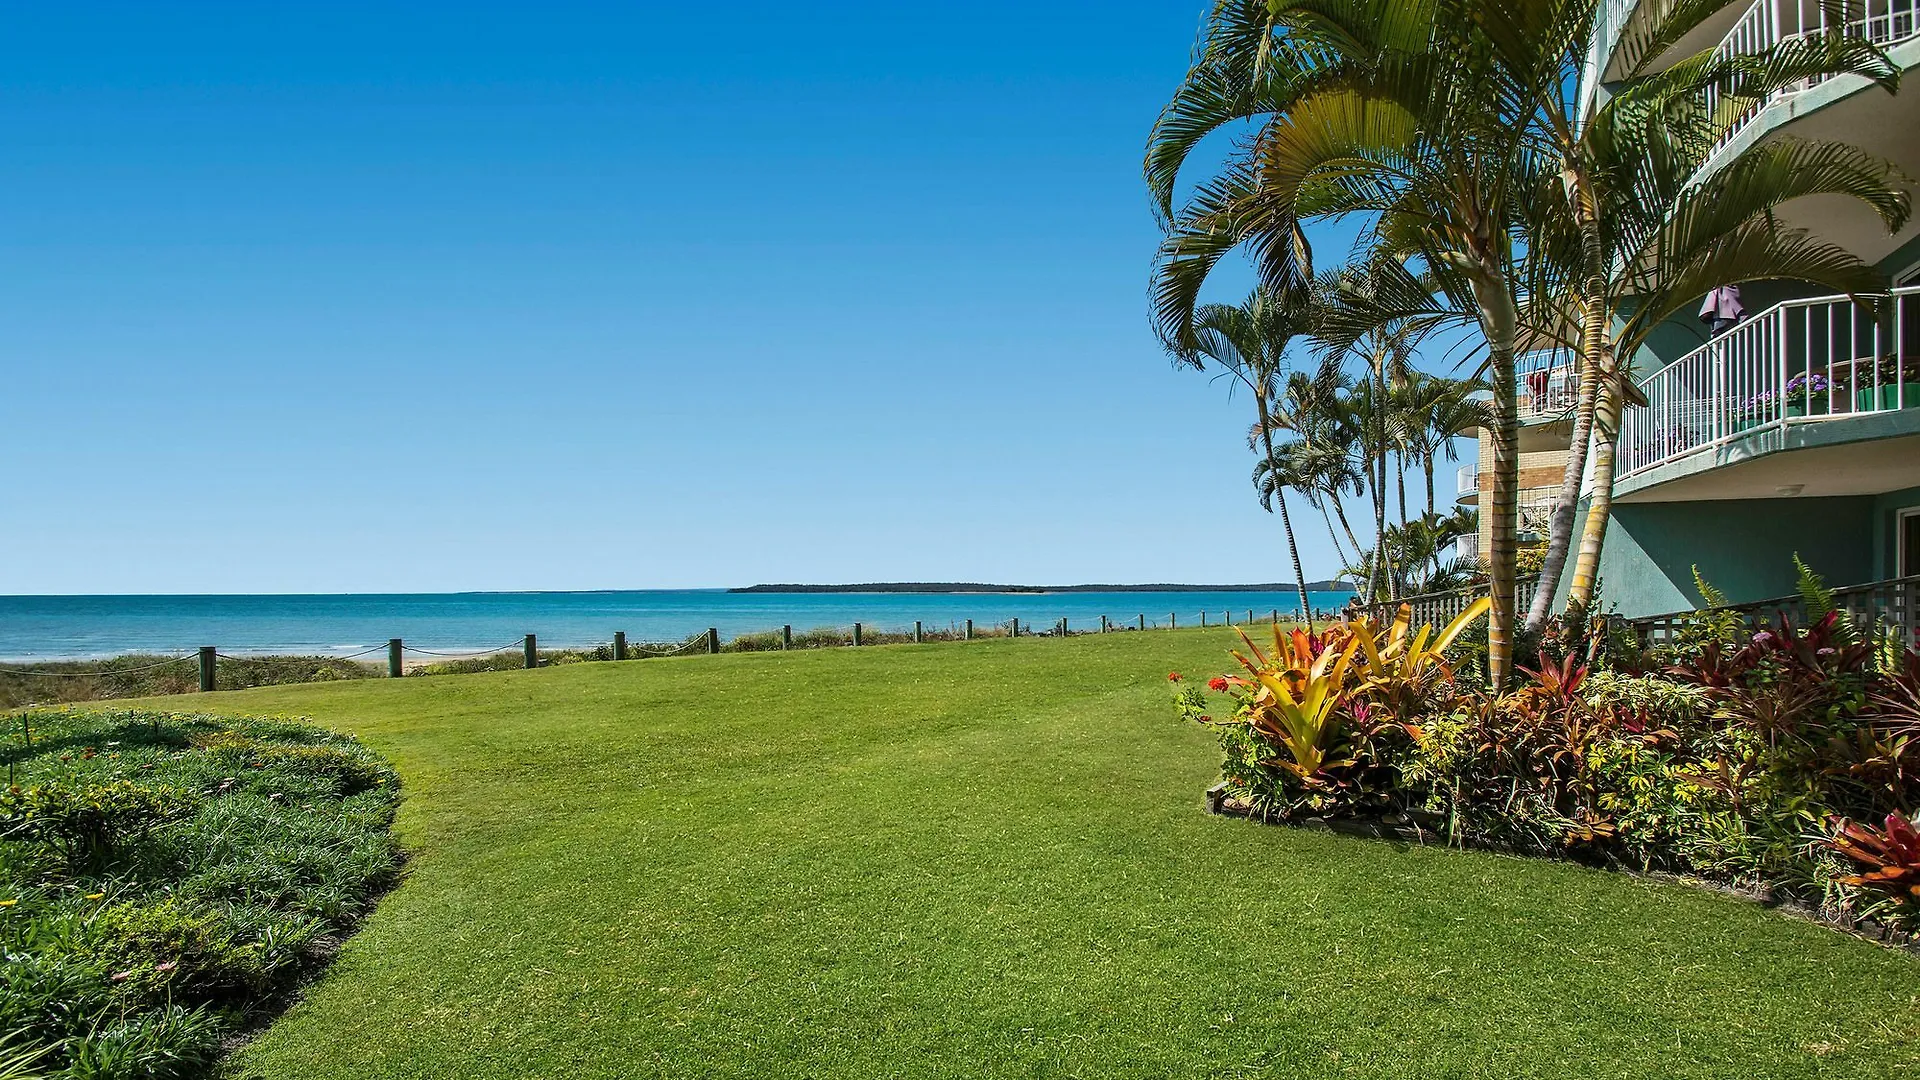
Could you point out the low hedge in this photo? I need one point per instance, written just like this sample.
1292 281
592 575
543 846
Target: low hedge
167 881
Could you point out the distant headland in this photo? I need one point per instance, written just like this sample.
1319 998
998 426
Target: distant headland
978 587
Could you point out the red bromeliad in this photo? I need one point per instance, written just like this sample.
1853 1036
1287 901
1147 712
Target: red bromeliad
1891 856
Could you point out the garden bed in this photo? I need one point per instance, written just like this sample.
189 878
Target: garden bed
1782 765
168 882
1403 828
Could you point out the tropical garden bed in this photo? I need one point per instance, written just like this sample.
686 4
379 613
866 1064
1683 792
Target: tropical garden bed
1782 764
168 881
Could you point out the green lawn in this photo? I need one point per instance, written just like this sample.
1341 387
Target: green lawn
990 860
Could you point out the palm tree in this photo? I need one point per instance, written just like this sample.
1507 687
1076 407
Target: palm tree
1249 342
1405 115
1321 455
1653 238
1440 410
1445 125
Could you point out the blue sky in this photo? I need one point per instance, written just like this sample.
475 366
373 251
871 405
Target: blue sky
343 298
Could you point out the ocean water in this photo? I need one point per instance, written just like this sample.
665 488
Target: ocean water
70 627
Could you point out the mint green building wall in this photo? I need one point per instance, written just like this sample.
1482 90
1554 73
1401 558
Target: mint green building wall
1886 510
1745 547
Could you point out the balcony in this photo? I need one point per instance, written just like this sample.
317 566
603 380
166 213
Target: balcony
1466 485
1799 362
1769 22
1549 382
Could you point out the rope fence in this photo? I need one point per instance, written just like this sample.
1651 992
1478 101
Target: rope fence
245 670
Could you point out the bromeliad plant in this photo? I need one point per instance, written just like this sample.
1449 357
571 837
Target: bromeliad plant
1311 718
1889 858
1400 672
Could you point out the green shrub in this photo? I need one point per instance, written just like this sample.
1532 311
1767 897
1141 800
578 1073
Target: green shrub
164 879
87 825
1738 763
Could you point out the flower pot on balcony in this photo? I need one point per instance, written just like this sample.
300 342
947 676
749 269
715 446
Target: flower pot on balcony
1811 405
1886 398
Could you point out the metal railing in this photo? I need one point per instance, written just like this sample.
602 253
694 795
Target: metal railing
1769 22
1799 361
1891 606
1549 380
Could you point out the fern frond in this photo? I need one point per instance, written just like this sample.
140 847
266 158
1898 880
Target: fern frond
1709 595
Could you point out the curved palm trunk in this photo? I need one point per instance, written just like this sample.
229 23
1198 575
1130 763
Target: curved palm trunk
1427 463
1560 532
1339 549
1586 569
1286 518
1499 321
1339 511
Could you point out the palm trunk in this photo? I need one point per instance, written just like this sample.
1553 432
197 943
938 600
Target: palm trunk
1606 441
1427 462
1560 532
1383 557
1339 549
1339 511
1286 518
1400 482
1499 321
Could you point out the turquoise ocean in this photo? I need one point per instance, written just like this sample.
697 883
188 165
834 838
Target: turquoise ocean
71 627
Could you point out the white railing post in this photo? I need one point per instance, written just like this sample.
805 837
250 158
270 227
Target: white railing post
1780 374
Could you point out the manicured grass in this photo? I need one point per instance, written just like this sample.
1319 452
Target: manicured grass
990 860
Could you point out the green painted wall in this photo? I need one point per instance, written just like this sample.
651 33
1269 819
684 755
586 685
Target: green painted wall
1886 511
1745 547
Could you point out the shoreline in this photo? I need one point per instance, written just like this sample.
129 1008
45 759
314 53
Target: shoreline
967 588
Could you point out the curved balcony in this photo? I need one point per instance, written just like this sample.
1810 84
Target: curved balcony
1799 362
1767 23
1466 485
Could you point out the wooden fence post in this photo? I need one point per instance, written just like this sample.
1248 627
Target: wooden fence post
856 633
532 652
619 644
394 667
786 636
713 641
916 631
1203 620
1103 624
1173 620
969 630
1143 622
206 667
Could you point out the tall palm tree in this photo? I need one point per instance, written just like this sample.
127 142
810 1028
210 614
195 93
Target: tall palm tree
1443 123
1404 114
1249 343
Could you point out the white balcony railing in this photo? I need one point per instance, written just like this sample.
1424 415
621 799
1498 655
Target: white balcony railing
1802 361
1549 380
1769 22
1466 484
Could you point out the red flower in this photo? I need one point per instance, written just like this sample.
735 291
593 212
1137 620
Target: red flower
1218 684
1173 676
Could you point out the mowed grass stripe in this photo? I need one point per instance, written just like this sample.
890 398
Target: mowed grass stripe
989 860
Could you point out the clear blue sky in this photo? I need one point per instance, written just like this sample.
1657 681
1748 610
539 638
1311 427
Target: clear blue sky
353 297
